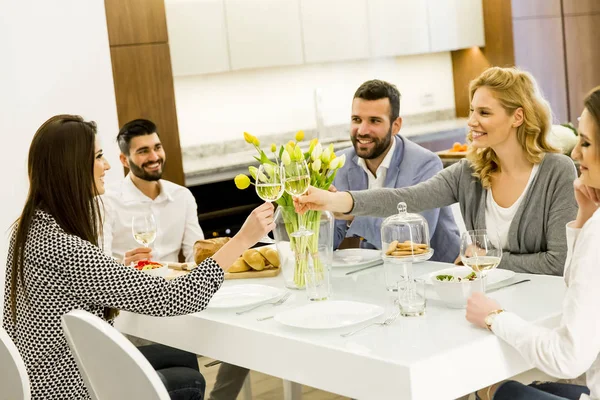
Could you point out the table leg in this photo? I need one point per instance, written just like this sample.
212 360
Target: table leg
292 390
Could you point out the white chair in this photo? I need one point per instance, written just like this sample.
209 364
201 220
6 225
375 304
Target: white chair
14 382
111 366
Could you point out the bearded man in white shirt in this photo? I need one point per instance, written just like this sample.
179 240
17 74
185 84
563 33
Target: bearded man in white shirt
174 208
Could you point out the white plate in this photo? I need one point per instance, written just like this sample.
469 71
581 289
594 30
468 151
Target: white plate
355 258
493 276
243 295
329 314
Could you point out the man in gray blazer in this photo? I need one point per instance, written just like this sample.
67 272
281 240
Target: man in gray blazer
380 157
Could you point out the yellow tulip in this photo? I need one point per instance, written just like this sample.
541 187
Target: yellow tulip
298 156
273 148
249 138
299 136
242 181
255 141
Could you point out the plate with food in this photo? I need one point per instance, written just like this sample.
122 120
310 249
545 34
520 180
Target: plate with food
153 268
356 258
461 273
458 150
407 251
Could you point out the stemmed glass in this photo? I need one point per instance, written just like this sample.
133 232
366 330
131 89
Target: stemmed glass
143 227
481 251
269 187
297 181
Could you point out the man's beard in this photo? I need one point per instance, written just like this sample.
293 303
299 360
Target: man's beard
381 145
141 173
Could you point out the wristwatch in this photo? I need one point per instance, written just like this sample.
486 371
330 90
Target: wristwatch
489 320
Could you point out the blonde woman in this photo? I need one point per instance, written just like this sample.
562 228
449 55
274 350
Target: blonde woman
512 182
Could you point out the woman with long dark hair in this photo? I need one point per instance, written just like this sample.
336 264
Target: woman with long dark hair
572 348
55 266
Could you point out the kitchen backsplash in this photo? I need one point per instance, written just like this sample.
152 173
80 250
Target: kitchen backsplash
214 110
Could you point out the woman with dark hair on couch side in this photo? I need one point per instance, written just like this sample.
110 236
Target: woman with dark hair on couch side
55 266
512 181
573 347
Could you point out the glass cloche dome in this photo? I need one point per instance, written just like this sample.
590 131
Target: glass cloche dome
405 237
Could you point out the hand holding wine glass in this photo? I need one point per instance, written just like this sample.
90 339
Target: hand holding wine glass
481 251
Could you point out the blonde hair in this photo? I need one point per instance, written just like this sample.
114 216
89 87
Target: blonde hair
514 89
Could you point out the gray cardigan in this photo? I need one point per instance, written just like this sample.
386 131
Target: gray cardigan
536 238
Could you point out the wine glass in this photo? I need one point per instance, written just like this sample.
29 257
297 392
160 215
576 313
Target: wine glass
296 183
143 227
269 187
481 251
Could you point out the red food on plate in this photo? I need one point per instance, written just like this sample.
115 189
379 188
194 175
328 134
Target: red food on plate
146 264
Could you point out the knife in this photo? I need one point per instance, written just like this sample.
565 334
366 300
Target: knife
363 268
505 286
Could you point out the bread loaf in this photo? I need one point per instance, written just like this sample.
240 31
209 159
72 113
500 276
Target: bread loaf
254 259
270 254
239 266
207 248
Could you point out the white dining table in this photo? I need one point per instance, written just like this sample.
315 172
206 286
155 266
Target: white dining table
436 356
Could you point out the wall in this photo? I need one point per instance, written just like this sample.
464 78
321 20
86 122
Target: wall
219 107
55 59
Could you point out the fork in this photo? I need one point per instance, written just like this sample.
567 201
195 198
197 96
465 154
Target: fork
387 322
280 301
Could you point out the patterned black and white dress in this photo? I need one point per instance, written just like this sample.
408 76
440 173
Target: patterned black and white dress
63 273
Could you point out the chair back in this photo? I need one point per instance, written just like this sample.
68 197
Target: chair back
111 366
14 382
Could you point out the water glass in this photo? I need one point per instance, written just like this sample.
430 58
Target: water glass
317 285
395 272
411 297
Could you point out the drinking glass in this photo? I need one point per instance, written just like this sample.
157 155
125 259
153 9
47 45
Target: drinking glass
481 251
143 227
317 284
411 297
296 182
269 187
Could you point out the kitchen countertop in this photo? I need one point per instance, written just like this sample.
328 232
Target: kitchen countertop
226 161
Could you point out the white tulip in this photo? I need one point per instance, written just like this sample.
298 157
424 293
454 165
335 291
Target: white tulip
285 158
317 151
316 165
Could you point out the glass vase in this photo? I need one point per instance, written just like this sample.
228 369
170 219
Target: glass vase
300 255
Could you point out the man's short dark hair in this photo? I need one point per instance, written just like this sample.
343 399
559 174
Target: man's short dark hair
376 89
137 127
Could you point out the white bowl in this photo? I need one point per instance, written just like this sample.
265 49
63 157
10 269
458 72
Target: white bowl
454 293
162 271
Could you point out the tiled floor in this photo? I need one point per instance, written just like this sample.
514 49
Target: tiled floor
264 387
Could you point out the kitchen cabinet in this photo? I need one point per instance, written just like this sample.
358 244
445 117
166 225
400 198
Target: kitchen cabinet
264 33
397 27
334 30
197 36
455 24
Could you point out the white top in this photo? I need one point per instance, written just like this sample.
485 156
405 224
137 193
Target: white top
573 347
176 217
497 218
377 182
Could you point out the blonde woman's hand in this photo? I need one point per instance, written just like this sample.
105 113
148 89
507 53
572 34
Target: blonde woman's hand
480 306
319 199
588 199
258 224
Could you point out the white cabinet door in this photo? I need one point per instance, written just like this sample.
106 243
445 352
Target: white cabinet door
264 33
398 27
197 36
455 24
334 30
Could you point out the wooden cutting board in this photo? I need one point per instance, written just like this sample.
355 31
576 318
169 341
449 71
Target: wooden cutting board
267 273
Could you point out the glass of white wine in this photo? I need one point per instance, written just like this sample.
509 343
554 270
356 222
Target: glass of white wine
143 227
296 183
269 186
481 251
